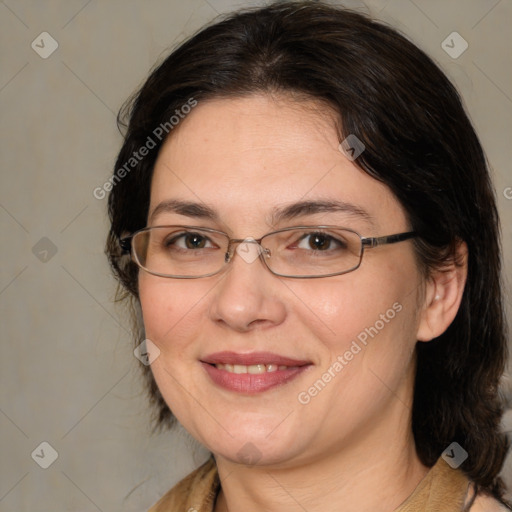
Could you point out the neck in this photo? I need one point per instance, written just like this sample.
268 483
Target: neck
378 471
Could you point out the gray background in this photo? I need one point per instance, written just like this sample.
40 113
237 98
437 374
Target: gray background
68 373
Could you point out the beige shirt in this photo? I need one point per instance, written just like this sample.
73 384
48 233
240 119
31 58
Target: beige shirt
442 490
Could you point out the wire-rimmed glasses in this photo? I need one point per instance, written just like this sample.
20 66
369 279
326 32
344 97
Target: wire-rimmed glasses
189 252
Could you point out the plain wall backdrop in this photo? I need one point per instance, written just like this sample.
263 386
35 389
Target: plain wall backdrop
68 374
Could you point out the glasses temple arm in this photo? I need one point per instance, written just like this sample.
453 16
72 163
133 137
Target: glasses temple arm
389 239
125 244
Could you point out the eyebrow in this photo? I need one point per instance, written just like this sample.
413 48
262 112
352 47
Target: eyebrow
303 208
278 214
185 208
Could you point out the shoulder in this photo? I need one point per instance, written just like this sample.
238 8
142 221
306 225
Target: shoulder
485 503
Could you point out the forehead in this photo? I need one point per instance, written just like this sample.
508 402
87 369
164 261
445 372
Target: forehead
238 131
246 156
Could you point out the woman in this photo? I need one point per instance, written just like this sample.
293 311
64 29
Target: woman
302 210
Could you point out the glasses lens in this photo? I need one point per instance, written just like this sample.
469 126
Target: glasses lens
313 251
176 251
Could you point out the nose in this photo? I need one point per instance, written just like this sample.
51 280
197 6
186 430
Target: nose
248 295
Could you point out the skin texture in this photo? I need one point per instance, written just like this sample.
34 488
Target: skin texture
352 443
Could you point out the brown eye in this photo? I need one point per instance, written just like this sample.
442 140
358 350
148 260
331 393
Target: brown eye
320 242
195 241
190 241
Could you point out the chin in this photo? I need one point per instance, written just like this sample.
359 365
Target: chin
253 453
251 447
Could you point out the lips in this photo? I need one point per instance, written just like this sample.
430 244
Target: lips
266 358
252 373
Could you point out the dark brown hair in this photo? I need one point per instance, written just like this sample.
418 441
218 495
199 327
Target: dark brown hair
419 142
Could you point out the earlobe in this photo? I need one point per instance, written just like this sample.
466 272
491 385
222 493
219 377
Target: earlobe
443 295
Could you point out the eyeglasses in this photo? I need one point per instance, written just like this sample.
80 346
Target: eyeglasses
187 252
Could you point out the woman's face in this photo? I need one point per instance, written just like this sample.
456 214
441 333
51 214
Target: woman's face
353 335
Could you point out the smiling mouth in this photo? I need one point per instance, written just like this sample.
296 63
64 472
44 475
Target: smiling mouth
253 369
252 360
252 373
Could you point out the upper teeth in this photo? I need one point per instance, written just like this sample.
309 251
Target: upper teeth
253 368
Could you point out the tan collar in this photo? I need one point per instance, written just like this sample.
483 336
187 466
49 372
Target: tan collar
196 492
442 490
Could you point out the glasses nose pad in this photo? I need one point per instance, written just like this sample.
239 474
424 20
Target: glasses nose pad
248 249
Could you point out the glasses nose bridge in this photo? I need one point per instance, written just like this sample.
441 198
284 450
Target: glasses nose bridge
232 242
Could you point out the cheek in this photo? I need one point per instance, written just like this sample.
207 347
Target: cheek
173 317
367 332
344 306
170 310
375 310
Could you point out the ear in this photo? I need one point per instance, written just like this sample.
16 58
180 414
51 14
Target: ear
443 295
